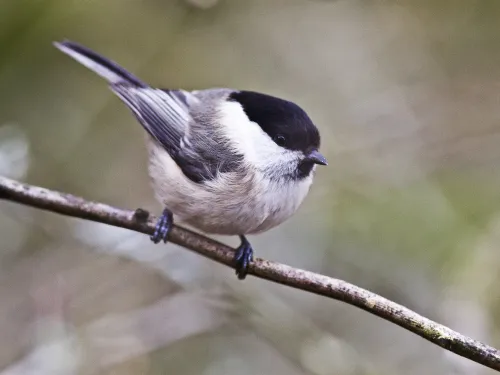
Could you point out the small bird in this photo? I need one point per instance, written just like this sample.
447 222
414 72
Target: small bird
224 161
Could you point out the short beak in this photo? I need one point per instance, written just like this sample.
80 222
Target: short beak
317 158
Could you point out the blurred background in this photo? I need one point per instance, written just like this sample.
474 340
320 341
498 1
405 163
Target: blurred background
406 96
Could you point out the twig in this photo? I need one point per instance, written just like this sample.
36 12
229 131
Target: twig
141 221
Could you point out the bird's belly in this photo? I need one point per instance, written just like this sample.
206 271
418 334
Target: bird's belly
230 213
240 205
249 217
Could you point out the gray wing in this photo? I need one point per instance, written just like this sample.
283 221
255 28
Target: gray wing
204 139
168 116
163 114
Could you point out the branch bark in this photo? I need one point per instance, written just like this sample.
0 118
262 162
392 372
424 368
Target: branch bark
141 221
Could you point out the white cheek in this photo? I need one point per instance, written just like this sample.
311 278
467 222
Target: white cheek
250 140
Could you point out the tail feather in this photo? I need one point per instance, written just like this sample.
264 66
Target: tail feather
106 68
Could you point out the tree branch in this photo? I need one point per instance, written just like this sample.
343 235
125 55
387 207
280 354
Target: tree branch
141 221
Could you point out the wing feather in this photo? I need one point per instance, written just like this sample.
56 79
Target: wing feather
165 114
163 117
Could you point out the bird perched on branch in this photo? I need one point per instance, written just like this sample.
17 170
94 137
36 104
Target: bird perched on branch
224 161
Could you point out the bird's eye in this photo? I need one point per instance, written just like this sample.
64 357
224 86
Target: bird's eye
280 140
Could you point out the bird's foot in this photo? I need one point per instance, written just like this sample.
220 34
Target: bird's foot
163 227
243 257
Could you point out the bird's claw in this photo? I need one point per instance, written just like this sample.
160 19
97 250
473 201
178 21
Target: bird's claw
242 258
163 227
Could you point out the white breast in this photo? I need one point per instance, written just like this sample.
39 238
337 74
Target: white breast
281 202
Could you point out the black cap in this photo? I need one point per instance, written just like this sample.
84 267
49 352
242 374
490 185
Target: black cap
285 122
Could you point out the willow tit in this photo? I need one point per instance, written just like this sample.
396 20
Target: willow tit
224 161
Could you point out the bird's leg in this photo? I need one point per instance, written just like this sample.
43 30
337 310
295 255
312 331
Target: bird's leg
243 257
163 227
